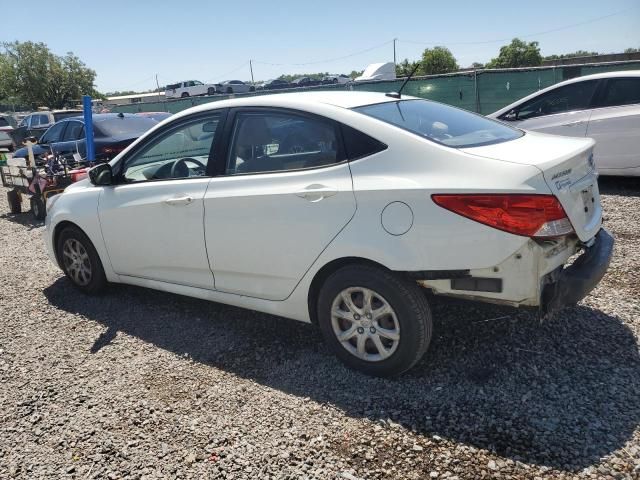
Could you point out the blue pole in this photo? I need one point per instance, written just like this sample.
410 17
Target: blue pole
88 128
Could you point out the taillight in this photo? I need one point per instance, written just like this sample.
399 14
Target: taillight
520 214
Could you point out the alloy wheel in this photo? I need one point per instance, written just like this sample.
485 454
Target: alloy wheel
76 262
365 324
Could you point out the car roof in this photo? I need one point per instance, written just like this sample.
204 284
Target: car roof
595 76
96 117
301 100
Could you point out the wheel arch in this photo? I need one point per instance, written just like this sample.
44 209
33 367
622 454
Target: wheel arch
325 272
56 236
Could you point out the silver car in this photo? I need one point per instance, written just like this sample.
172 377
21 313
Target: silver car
605 107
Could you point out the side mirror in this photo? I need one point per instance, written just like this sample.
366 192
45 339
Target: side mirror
101 175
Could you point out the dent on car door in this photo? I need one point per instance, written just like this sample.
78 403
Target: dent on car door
151 219
615 125
284 193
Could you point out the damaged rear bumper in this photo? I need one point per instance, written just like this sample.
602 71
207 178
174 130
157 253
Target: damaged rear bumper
568 285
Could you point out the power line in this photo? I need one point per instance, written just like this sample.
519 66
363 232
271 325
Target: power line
566 27
326 60
224 75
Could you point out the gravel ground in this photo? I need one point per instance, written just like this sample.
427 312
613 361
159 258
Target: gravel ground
143 384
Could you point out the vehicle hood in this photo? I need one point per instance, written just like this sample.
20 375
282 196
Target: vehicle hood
81 185
568 168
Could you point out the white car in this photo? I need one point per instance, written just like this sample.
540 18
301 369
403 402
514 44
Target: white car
189 88
378 71
604 106
340 208
234 86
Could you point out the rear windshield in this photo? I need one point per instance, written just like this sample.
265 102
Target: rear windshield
132 126
72 113
442 124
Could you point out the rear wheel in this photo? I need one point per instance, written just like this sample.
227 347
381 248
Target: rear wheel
13 198
211 91
38 208
184 94
374 320
80 261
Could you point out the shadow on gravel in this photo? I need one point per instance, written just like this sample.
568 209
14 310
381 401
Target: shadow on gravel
621 186
561 394
25 218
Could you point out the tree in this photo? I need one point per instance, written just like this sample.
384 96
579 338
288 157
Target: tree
517 54
32 73
356 73
632 50
405 67
578 53
437 60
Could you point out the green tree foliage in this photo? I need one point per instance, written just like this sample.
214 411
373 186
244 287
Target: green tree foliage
32 73
632 50
405 67
517 54
579 53
315 76
356 73
437 60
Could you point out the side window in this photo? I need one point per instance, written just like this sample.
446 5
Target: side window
271 142
358 144
54 133
34 121
576 96
621 91
181 152
74 131
44 120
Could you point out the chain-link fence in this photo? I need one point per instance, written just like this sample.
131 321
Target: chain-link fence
482 91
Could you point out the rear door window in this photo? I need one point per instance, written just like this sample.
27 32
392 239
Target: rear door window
74 131
358 144
620 91
54 134
278 141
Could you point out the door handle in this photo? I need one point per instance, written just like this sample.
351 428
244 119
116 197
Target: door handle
316 192
179 201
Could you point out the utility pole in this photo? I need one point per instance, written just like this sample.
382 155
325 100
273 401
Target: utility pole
394 50
251 68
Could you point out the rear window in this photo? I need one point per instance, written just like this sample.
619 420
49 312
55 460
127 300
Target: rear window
442 124
115 126
60 115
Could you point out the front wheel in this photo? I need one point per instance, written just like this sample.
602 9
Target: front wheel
80 261
374 320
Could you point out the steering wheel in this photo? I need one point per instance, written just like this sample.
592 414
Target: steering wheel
179 169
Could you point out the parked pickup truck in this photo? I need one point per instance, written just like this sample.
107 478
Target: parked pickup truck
189 88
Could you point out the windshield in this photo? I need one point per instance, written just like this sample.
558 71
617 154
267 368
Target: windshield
131 126
440 123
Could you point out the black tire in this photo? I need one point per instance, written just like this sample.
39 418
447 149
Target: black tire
97 280
211 91
38 207
13 198
229 90
252 88
406 299
184 94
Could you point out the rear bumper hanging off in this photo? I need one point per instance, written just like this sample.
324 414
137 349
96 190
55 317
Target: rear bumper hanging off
571 284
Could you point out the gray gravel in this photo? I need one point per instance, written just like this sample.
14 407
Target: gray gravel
143 384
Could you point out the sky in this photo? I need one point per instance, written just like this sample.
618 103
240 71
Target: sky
128 42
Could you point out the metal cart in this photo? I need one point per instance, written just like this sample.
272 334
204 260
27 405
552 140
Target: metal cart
37 183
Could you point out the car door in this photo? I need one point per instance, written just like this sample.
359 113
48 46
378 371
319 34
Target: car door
283 193
52 138
615 125
152 218
562 111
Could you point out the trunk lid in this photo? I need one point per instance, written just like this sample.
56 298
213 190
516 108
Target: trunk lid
568 169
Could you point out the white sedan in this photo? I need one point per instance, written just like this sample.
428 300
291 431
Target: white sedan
340 209
604 106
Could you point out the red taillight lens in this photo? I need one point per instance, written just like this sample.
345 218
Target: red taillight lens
520 214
